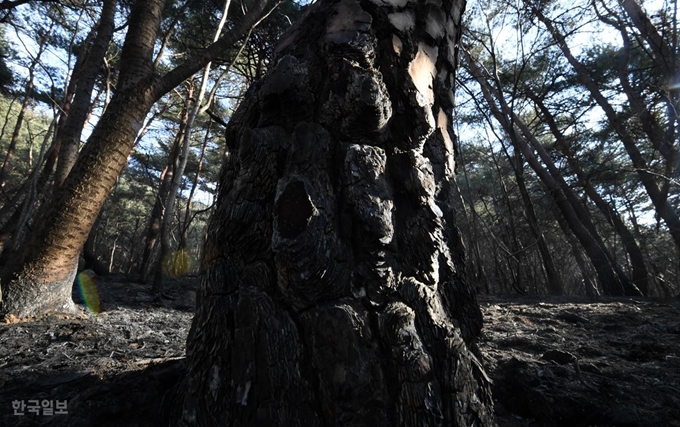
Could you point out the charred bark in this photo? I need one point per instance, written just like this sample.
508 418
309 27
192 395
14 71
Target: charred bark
334 290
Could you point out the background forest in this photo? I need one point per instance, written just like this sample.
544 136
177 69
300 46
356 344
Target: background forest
567 123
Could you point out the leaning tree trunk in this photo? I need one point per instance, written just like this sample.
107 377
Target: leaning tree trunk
334 292
39 278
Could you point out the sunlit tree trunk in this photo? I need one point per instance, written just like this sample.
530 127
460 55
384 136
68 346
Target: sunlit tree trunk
155 228
661 204
39 278
92 64
334 291
188 217
176 181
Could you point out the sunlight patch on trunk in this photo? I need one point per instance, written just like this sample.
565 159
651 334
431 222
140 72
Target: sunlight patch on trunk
422 71
442 124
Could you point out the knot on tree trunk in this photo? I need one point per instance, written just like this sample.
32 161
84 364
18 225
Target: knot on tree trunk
293 210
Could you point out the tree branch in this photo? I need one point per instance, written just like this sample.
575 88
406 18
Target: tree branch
198 60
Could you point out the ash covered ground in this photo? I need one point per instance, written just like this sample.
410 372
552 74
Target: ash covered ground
554 361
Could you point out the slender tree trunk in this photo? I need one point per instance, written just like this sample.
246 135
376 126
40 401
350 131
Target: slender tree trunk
155 228
6 168
179 172
184 234
636 258
92 64
517 249
154 224
661 204
662 140
334 292
12 231
168 203
14 140
610 275
6 120
554 283
11 211
586 275
480 273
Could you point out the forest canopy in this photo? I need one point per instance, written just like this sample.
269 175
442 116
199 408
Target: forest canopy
566 120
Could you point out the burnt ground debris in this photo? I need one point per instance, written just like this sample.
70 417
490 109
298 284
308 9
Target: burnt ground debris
574 362
554 361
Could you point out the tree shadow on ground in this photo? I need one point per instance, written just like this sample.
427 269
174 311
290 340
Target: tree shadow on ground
129 399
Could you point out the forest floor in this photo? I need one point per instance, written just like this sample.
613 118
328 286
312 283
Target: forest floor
554 361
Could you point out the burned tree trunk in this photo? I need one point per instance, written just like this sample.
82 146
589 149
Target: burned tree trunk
334 290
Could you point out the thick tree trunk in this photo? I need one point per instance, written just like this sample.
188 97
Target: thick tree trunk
334 292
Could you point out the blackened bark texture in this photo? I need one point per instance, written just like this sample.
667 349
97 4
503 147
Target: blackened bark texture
334 292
